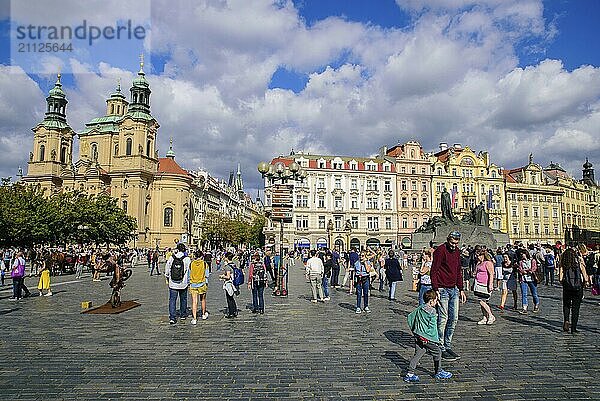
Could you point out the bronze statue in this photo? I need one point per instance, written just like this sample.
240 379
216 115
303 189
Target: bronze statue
120 274
446 203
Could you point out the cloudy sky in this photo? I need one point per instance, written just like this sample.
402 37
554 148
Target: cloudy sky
246 80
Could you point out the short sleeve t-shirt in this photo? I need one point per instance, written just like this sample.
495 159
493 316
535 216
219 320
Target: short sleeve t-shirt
198 273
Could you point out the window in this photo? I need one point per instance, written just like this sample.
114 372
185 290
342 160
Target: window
322 163
354 184
353 166
555 212
42 153
386 167
454 174
63 154
321 183
373 223
555 230
354 222
403 169
424 186
422 170
337 222
537 229
388 223
322 222
404 201
404 222
414 203
413 170
128 146
321 202
337 203
168 217
372 203
526 229
546 230
301 222
515 229
371 167
424 203
536 212
354 203
403 185
301 200
124 203
439 171
387 186
371 185
388 204
337 165
526 214
148 146
337 183
413 185
439 187
116 150
146 207
415 223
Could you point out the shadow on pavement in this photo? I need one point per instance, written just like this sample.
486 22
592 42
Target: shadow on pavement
7 311
348 306
394 357
550 325
401 338
399 312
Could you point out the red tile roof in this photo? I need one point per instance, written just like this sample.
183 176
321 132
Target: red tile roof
169 166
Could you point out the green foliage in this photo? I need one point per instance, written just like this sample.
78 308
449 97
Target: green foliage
27 217
221 229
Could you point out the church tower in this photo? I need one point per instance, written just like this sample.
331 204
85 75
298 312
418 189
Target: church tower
52 143
588 172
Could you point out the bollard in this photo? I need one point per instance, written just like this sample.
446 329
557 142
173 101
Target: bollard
86 304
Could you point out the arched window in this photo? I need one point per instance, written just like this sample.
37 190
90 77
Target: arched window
116 150
135 98
168 217
42 152
125 206
128 146
94 151
63 154
148 145
112 109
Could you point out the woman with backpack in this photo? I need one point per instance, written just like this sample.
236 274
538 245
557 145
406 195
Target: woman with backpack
528 280
257 281
228 286
573 277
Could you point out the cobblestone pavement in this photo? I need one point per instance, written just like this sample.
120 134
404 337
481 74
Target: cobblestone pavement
295 351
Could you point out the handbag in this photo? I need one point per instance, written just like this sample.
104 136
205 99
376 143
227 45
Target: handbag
480 290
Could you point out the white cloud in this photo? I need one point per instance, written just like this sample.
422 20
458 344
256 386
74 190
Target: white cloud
451 76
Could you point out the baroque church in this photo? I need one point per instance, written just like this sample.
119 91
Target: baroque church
117 156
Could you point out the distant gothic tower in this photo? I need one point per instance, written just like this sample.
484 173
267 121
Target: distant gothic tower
588 171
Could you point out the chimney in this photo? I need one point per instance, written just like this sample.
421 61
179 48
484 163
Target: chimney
443 146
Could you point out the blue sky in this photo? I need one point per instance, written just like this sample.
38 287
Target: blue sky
242 81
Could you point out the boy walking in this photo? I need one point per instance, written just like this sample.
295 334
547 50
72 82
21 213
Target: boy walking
423 324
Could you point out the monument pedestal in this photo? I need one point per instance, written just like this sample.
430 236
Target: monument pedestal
470 235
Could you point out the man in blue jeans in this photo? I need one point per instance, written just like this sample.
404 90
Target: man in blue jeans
446 279
177 272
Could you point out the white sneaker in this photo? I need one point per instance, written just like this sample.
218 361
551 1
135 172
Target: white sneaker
358 311
314 301
193 321
367 310
205 316
326 299
482 321
48 294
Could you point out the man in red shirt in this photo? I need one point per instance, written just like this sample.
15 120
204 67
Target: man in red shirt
447 280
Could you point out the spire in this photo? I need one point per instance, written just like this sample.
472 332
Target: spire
141 72
140 94
170 152
56 105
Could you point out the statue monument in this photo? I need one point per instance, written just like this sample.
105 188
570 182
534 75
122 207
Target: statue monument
474 227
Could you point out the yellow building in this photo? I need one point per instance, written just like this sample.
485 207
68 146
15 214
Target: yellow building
117 156
579 209
471 179
534 205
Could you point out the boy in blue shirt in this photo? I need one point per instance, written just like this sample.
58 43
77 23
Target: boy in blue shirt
423 324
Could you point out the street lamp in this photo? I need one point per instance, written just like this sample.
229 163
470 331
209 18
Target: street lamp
280 173
329 232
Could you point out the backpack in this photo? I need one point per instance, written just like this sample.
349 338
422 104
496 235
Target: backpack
549 260
259 275
590 264
572 279
238 276
177 269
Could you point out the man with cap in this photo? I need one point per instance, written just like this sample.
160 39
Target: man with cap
447 280
177 272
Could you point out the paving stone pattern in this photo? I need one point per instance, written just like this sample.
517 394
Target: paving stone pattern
295 351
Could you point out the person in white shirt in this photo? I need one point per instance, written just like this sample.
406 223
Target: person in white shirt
177 272
314 273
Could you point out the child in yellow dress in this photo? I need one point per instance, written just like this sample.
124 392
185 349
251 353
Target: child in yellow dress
44 283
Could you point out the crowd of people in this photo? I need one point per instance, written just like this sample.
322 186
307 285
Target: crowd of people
442 276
